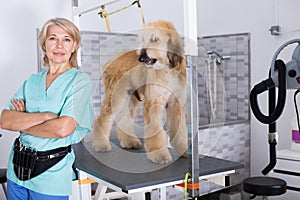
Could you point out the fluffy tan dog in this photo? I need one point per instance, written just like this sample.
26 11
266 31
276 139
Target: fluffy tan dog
153 76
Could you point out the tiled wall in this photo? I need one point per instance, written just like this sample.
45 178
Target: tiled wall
230 142
232 78
96 50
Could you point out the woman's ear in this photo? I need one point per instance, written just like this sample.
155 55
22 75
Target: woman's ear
75 47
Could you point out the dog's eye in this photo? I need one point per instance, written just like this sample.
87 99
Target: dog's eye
154 39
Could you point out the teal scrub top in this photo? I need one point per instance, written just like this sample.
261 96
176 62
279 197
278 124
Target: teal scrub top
70 94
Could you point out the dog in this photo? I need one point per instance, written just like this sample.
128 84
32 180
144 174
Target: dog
153 76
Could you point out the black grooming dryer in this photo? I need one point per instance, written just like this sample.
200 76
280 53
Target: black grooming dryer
284 76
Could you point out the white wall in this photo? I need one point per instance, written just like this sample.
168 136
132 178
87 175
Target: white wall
19 20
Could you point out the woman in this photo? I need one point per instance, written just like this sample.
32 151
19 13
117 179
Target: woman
51 110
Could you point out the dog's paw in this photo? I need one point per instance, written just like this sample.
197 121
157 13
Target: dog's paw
161 157
131 143
101 146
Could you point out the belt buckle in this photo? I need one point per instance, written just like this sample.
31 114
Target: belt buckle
51 156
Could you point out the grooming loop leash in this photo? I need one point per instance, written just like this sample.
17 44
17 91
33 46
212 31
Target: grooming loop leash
187 175
104 14
186 185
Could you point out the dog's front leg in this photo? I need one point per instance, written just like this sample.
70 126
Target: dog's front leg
102 127
176 125
156 140
125 125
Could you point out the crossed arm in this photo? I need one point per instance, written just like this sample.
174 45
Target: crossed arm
45 124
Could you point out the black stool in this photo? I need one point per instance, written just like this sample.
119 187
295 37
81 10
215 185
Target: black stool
264 186
3 180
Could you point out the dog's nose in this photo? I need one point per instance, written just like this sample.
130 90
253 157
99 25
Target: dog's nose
143 55
142 59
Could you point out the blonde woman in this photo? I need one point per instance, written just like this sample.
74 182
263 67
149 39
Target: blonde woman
52 110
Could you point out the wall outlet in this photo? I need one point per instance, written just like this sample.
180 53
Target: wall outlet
275 30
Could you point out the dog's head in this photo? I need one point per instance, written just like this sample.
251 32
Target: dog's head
160 45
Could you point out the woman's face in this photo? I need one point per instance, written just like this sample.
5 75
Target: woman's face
59 45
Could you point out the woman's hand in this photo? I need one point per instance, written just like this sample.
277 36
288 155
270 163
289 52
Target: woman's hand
18 105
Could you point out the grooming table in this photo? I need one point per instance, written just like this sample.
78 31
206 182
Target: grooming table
136 185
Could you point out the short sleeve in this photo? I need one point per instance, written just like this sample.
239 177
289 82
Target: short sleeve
20 94
78 103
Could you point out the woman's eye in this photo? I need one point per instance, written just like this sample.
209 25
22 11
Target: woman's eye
52 38
68 40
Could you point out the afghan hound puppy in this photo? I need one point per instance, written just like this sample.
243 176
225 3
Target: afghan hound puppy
153 76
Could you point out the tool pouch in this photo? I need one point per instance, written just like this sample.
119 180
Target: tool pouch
29 163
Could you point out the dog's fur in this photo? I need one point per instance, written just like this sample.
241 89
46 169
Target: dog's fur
152 76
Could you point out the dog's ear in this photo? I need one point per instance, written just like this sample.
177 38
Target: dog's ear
174 59
174 50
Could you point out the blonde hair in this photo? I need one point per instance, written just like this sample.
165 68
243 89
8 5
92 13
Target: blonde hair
69 28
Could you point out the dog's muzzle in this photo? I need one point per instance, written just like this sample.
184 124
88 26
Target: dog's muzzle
144 58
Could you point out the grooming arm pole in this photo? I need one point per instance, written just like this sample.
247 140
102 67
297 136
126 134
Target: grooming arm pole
191 49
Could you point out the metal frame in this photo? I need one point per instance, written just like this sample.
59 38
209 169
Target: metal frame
84 190
191 49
